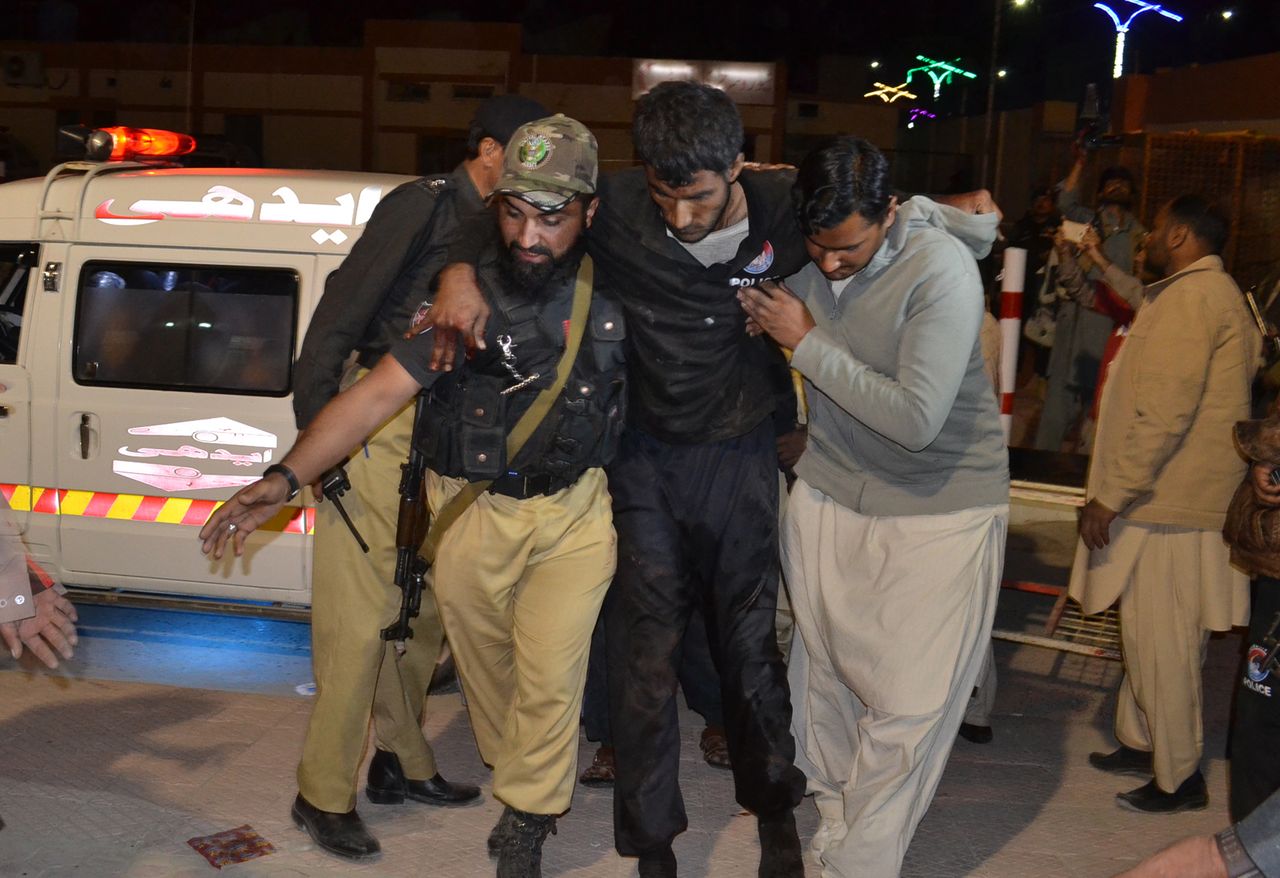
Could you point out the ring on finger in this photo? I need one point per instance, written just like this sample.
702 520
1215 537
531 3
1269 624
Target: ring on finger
232 527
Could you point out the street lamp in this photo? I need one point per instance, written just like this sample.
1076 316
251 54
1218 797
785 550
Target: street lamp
1122 28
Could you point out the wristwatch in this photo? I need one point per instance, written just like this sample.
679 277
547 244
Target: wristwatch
289 477
1237 860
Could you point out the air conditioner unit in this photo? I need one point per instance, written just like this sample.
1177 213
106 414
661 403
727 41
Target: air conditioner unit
22 68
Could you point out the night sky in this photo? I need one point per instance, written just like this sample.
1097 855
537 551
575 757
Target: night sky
1050 47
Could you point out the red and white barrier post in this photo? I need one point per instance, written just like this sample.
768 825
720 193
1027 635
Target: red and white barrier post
1012 280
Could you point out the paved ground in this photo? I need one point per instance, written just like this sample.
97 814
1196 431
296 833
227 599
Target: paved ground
107 768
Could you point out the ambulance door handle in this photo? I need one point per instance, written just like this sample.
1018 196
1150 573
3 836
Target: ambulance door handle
86 433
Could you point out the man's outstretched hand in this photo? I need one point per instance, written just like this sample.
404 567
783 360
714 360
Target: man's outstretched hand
50 633
458 312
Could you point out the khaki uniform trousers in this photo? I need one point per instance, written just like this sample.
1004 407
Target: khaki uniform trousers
1167 609
353 597
519 584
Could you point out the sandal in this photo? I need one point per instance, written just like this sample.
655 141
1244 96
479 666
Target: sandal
715 747
602 770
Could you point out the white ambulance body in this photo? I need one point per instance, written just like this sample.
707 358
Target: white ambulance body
149 319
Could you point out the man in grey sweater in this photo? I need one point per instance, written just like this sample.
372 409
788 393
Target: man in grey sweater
895 530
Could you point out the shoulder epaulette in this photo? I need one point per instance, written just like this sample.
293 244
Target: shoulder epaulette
435 185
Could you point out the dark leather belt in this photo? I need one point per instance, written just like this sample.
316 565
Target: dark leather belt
522 487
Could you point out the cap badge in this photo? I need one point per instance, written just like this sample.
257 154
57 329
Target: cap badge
534 150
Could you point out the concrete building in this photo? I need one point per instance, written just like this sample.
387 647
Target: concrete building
399 103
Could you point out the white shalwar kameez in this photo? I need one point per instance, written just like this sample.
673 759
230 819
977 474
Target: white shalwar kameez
893 615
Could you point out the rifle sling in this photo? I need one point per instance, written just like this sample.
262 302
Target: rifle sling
532 417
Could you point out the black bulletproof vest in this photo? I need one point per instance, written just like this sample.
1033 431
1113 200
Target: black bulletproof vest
469 415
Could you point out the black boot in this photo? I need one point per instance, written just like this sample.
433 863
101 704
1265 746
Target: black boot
1123 760
500 832
1191 795
780 854
343 834
520 854
387 785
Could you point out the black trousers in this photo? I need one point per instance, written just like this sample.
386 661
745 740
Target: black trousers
1255 756
697 526
698 680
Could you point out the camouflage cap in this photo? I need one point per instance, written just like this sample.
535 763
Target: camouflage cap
548 162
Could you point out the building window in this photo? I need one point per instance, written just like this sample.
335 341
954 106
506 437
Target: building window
184 327
409 92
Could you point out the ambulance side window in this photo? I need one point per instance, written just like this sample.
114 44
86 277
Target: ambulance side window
17 262
213 329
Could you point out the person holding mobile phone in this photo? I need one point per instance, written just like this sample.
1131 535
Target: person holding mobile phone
1080 336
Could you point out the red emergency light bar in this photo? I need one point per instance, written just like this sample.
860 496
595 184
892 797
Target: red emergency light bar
120 143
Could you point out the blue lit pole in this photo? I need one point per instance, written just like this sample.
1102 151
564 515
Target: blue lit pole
1122 27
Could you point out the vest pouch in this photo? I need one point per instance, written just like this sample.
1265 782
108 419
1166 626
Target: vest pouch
482 433
607 330
482 404
484 452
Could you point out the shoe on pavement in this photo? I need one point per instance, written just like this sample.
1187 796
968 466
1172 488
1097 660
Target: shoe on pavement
1191 795
343 834
387 785
715 747
602 771
520 848
976 734
500 832
1124 760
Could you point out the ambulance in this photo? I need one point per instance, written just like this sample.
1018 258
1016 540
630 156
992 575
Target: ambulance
150 316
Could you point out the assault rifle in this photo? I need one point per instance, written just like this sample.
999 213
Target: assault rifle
412 525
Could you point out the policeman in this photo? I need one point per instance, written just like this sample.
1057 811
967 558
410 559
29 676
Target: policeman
521 573
366 305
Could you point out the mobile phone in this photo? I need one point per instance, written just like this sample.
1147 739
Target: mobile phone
1074 231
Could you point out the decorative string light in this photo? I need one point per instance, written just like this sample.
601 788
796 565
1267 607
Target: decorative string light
1122 28
889 93
939 72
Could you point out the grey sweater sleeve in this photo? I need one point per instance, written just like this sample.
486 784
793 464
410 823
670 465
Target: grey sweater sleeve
1259 833
935 346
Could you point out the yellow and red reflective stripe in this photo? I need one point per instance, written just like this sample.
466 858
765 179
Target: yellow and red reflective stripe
139 507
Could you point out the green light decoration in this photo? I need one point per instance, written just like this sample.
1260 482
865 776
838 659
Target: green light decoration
939 72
